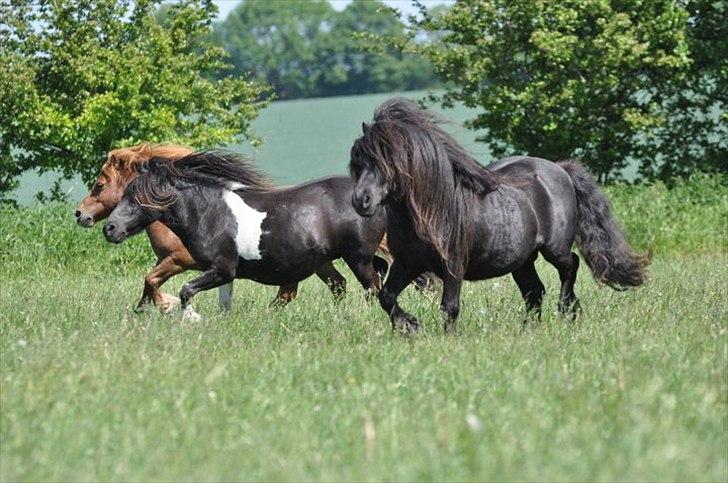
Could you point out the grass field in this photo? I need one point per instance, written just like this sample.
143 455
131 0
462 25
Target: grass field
636 389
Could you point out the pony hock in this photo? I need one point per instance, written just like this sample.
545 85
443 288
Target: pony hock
449 215
236 225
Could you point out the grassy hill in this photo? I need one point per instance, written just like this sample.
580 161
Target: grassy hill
303 139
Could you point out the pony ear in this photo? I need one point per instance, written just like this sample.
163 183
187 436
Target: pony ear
365 127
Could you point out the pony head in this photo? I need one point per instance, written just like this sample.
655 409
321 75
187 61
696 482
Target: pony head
161 182
120 168
405 157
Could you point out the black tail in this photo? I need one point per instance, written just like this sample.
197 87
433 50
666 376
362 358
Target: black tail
599 236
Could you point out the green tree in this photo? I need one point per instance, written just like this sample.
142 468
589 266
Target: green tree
575 78
306 49
80 77
379 69
693 132
277 43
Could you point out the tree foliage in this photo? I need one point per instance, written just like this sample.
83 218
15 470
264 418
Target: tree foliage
307 49
80 77
601 80
693 132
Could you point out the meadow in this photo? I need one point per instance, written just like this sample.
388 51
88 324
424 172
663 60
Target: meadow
635 389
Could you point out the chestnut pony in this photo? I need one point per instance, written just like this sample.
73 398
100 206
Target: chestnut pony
120 169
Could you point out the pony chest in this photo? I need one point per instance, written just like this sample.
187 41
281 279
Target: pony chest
248 228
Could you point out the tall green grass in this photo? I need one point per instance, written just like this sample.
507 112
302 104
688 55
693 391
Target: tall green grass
635 389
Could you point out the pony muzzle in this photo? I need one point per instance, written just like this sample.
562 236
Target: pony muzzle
362 203
84 219
114 234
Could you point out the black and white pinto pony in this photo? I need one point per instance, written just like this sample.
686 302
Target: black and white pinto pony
236 225
449 215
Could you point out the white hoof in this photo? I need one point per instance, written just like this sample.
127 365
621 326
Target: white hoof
189 314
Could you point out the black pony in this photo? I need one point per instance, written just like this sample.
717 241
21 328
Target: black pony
236 225
449 215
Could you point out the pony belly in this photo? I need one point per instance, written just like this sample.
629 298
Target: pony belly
496 263
485 271
270 273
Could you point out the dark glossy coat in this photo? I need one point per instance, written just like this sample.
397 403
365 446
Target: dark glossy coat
449 215
300 228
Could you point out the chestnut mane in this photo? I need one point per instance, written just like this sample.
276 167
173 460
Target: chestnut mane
124 162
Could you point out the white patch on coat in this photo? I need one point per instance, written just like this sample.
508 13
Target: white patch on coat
249 229
236 186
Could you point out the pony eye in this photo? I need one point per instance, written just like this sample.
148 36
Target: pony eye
98 187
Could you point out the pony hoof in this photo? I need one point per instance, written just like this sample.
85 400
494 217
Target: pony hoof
168 303
141 308
190 315
406 324
278 302
450 327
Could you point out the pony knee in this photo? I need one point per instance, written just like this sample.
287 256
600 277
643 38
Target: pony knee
185 294
386 300
535 295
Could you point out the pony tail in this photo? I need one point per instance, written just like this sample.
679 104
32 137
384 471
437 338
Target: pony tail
599 236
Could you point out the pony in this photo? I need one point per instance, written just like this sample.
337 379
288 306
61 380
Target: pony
236 225
449 215
120 169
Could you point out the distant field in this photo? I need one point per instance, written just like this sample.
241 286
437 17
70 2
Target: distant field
636 389
303 140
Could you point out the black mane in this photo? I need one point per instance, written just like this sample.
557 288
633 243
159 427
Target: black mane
155 185
427 169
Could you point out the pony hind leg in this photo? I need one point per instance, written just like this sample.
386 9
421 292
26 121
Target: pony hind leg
567 265
365 273
332 278
531 287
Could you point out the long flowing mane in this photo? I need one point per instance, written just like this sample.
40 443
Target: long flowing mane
124 162
427 169
157 185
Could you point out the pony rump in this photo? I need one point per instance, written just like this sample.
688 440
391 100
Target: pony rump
408 146
156 186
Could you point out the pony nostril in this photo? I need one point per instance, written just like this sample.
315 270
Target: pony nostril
366 200
109 228
78 213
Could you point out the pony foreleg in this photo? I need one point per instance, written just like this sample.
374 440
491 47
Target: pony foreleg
166 268
397 280
450 304
225 296
210 279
